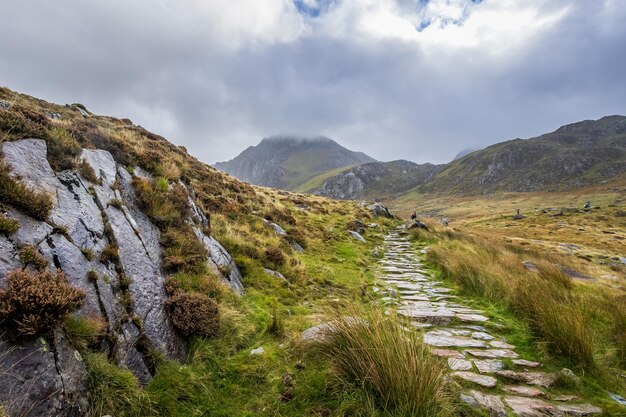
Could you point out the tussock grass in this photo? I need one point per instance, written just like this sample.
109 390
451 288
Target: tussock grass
29 255
14 192
114 391
389 361
8 226
546 299
83 331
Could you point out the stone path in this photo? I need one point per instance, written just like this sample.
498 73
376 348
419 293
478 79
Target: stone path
476 355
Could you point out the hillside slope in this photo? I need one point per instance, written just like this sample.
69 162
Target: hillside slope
121 255
574 155
287 162
376 180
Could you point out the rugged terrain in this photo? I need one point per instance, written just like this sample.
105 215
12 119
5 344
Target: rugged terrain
574 155
287 162
138 281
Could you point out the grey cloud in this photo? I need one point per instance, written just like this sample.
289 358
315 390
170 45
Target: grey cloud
168 72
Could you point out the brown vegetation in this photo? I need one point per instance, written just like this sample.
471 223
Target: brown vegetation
193 314
33 303
16 193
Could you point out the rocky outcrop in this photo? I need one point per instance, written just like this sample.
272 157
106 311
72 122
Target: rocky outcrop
47 376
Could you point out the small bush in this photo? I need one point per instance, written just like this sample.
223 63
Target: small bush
29 255
34 302
391 363
193 314
275 255
14 192
83 331
117 203
8 226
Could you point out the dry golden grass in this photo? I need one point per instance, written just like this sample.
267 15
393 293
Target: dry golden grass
389 361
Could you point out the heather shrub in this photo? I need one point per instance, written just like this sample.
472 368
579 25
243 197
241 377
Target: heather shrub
14 192
193 314
275 255
33 303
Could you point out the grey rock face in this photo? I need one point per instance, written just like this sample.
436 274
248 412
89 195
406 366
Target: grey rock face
30 381
220 260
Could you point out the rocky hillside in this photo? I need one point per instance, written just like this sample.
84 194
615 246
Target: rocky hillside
377 180
115 251
575 155
286 162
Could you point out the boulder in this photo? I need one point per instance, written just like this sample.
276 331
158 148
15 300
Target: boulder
379 210
357 236
276 228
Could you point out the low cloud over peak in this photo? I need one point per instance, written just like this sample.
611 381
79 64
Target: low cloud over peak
399 79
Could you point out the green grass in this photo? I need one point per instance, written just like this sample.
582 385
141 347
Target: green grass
318 180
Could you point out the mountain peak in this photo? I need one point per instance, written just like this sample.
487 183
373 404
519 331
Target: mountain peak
287 161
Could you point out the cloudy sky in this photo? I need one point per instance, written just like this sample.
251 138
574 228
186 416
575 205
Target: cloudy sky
397 79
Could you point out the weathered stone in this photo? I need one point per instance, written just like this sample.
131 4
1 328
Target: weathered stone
488 366
8 259
472 318
276 228
357 236
501 345
441 338
493 353
483 380
258 351
379 210
565 398
31 231
274 273
430 315
459 364
30 383
492 403
317 333
569 376
221 262
482 336
531 407
297 247
532 378
525 363
524 391
618 398
579 410
448 353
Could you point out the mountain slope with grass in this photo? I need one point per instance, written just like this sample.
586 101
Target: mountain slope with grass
374 180
287 162
574 155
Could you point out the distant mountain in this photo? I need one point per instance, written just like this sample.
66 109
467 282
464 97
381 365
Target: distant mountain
376 180
574 155
464 152
288 162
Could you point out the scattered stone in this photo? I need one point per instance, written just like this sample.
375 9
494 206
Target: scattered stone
493 353
579 410
530 266
568 376
532 378
277 229
528 364
472 317
493 403
430 315
274 273
619 399
524 391
448 353
441 338
482 380
258 351
373 225
457 364
357 236
379 210
54 115
531 407
488 366
297 247
501 345
4 105
565 398
482 336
